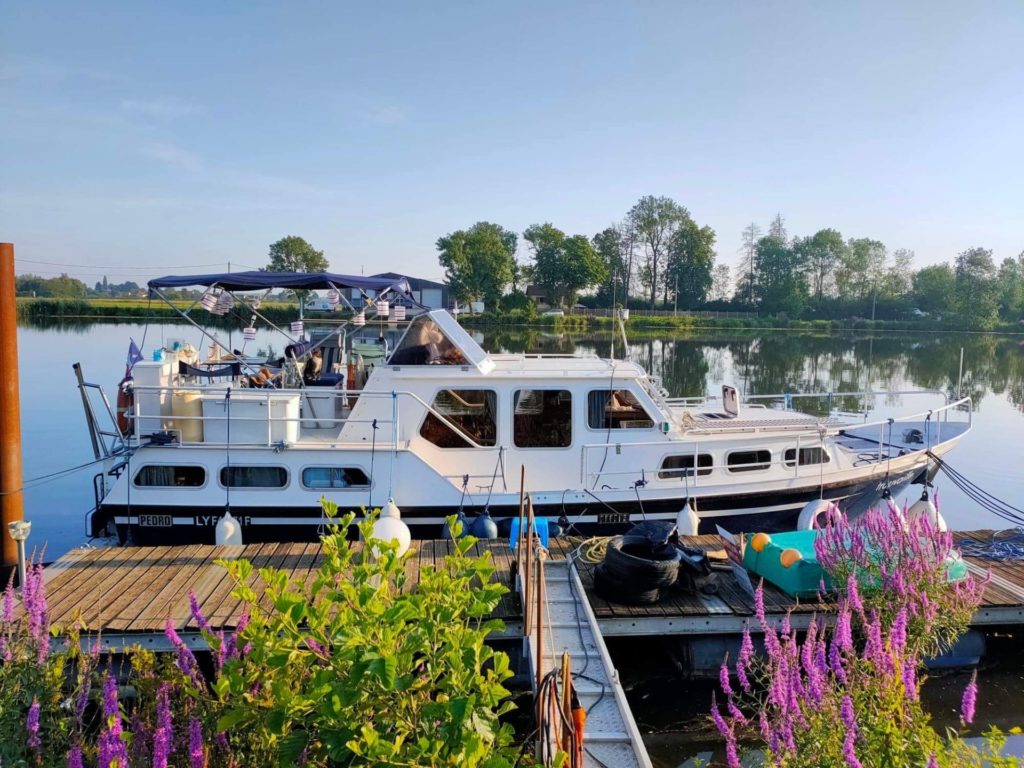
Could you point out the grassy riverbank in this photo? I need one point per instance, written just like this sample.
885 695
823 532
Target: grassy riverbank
44 311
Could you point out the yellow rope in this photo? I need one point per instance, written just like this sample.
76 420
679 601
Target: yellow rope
592 550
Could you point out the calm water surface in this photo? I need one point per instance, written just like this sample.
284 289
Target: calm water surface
55 438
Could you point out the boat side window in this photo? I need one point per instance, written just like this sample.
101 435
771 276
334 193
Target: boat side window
334 477
749 461
424 343
681 466
542 418
254 477
473 411
813 455
165 476
616 409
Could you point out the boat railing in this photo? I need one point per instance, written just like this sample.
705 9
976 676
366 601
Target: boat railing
279 422
788 397
808 438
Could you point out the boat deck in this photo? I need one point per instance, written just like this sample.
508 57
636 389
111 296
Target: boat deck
124 595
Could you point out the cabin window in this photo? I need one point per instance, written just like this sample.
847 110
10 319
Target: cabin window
681 466
334 477
473 411
254 477
749 461
616 409
542 418
162 476
424 343
813 455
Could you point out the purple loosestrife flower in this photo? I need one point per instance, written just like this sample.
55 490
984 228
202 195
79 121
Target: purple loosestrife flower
933 761
185 659
735 713
9 601
969 700
75 757
723 677
743 660
853 595
759 602
909 676
32 725
197 613
163 734
110 746
850 723
196 755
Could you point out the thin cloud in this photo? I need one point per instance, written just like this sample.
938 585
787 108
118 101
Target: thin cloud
175 156
161 108
390 115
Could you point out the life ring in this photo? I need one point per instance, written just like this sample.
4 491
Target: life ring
125 406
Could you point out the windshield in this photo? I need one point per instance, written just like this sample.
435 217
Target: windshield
426 344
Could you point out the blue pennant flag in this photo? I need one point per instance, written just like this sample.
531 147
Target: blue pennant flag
134 355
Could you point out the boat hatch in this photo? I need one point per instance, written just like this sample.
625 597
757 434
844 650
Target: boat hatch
436 338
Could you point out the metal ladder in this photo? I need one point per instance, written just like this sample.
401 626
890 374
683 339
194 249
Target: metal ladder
611 736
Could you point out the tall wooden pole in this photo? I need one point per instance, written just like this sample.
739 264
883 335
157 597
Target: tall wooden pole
11 501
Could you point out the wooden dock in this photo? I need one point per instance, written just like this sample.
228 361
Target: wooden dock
124 595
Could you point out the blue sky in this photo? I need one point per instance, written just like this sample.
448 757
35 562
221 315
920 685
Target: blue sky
140 136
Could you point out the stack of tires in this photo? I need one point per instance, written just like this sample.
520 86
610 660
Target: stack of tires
635 569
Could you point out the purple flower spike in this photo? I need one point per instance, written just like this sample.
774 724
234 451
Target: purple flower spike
197 613
163 734
196 754
32 725
933 761
969 700
9 601
850 723
111 749
723 678
75 757
759 602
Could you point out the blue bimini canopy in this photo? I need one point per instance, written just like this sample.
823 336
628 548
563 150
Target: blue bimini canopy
261 281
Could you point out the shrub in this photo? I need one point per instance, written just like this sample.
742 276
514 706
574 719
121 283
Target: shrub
353 666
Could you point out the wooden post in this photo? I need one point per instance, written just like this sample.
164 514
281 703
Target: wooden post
566 702
539 619
11 500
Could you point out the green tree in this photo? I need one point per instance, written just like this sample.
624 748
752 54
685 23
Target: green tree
934 288
691 258
563 265
977 291
1011 289
745 278
721 283
780 284
610 247
897 281
479 262
655 220
821 253
860 269
293 254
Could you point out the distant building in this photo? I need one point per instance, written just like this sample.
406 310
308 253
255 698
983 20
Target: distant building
431 294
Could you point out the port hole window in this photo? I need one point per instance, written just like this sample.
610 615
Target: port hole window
254 477
542 418
616 409
681 466
161 476
814 455
473 411
749 461
334 477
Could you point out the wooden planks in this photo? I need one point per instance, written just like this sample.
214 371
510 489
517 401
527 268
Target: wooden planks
135 590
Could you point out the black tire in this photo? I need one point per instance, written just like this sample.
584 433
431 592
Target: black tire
635 561
623 593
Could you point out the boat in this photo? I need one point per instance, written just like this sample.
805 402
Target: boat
439 427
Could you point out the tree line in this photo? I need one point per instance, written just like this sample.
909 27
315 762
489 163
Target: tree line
658 256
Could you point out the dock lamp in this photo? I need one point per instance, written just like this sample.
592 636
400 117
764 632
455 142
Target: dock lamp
19 531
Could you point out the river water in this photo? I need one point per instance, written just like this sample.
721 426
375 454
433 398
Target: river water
694 364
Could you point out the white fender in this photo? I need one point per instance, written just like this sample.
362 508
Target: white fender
687 521
229 531
810 513
925 506
390 527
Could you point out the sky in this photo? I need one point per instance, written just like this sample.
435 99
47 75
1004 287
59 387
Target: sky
142 138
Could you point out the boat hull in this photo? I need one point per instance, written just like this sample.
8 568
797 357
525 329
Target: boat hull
767 511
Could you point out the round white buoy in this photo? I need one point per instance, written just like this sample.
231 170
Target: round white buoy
229 531
687 521
809 514
390 527
925 506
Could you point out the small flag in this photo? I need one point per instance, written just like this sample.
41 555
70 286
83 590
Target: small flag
134 355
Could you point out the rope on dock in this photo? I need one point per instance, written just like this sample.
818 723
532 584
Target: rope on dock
1002 545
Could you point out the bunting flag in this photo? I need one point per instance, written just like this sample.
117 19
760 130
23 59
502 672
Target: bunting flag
134 356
